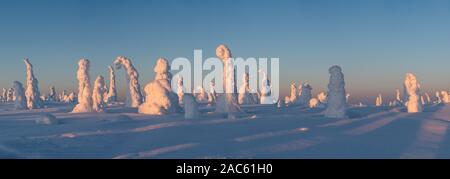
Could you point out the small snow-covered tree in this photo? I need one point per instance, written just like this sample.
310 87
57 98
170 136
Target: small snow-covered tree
438 98
160 99
10 95
412 88
322 97
200 95
52 95
266 91
20 99
379 100
212 93
98 104
112 92
180 90
84 88
247 95
445 97
134 95
305 94
336 106
32 92
293 97
428 98
314 103
4 94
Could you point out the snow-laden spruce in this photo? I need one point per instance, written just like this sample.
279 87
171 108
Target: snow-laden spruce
322 97
379 100
84 88
314 103
10 95
200 95
438 98
212 93
428 98
160 99
247 95
4 94
412 88
305 93
336 105
112 92
398 100
287 101
98 103
180 90
52 95
134 95
445 97
32 93
190 107
266 92
20 99
294 94
227 102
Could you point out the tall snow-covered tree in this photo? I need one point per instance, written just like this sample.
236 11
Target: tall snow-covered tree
84 88
32 93
134 95
412 88
336 106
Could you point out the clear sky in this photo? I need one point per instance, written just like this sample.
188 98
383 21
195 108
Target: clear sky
375 41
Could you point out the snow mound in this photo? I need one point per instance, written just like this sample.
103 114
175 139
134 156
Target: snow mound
47 119
160 99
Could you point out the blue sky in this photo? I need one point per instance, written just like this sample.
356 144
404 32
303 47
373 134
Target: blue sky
375 41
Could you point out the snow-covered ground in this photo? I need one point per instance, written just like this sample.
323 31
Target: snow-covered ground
264 132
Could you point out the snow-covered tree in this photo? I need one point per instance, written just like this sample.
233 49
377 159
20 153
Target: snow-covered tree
287 101
160 99
412 88
379 100
227 102
84 88
428 98
305 94
4 94
266 91
212 93
293 97
322 97
314 103
180 90
200 95
20 99
112 92
98 103
190 107
32 93
247 95
52 95
134 95
438 97
336 106
445 97
10 95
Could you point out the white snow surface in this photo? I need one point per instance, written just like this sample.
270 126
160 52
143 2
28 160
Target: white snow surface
268 132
